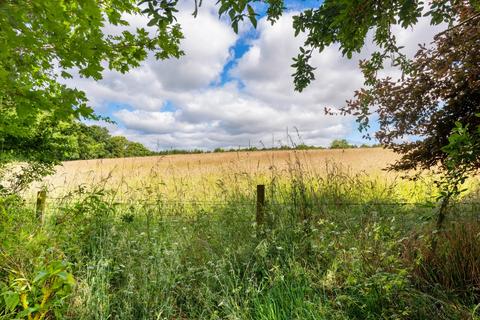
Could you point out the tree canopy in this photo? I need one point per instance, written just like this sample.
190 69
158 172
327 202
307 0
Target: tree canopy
95 142
341 144
44 41
418 112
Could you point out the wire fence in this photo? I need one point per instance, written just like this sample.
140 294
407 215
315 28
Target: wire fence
255 208
275 202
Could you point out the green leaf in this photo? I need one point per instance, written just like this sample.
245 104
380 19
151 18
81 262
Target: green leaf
41 275
66 75
252 16
223 8
12 299
235 26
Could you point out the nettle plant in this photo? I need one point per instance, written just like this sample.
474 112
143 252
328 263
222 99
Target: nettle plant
38 298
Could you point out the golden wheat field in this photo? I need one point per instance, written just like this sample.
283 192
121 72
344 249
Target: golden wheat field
183 174
372 160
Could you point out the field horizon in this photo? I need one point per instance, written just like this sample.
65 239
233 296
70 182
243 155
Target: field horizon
135 171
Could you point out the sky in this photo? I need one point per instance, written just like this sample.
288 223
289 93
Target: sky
235 90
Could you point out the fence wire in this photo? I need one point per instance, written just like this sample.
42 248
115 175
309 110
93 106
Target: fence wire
192 207
274 202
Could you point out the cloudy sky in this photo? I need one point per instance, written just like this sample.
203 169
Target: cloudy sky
233 90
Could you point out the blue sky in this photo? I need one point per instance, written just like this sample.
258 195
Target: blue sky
242 44
232 89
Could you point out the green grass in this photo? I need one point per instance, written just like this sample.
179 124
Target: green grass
333 247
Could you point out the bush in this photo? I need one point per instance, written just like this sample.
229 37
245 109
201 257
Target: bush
341 144
454 265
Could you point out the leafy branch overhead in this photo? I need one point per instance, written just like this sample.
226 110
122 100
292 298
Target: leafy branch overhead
346 23
417 113
43 41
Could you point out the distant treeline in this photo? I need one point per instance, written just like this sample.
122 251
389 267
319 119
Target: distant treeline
95 142
335 144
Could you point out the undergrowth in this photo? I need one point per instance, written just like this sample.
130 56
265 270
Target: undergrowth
338 246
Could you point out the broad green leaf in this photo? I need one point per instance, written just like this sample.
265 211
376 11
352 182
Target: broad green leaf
12 299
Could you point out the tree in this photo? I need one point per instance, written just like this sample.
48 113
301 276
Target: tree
95 142
136 149
42 42
91 141
437 105
340 144
118 147
36 150
441 90
462 157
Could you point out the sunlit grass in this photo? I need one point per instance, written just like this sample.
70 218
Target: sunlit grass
337 243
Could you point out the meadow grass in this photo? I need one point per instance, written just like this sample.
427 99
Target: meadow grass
336 244
194 176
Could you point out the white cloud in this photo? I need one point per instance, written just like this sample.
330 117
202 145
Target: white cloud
207 46
259 104
225 116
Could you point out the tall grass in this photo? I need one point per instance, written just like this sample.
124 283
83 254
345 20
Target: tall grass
334 246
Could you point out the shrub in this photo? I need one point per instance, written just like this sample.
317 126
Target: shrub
454 265
341 144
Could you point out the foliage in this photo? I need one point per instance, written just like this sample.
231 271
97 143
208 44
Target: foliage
463 158
341 144
435 104
425 104
41 297
95 142
35 150
454 263
39 37
43 42
29 158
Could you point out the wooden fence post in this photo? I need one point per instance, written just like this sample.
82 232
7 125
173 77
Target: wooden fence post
260 218
41 201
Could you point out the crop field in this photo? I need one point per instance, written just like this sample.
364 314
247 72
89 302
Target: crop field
176 237
370 160
198 175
